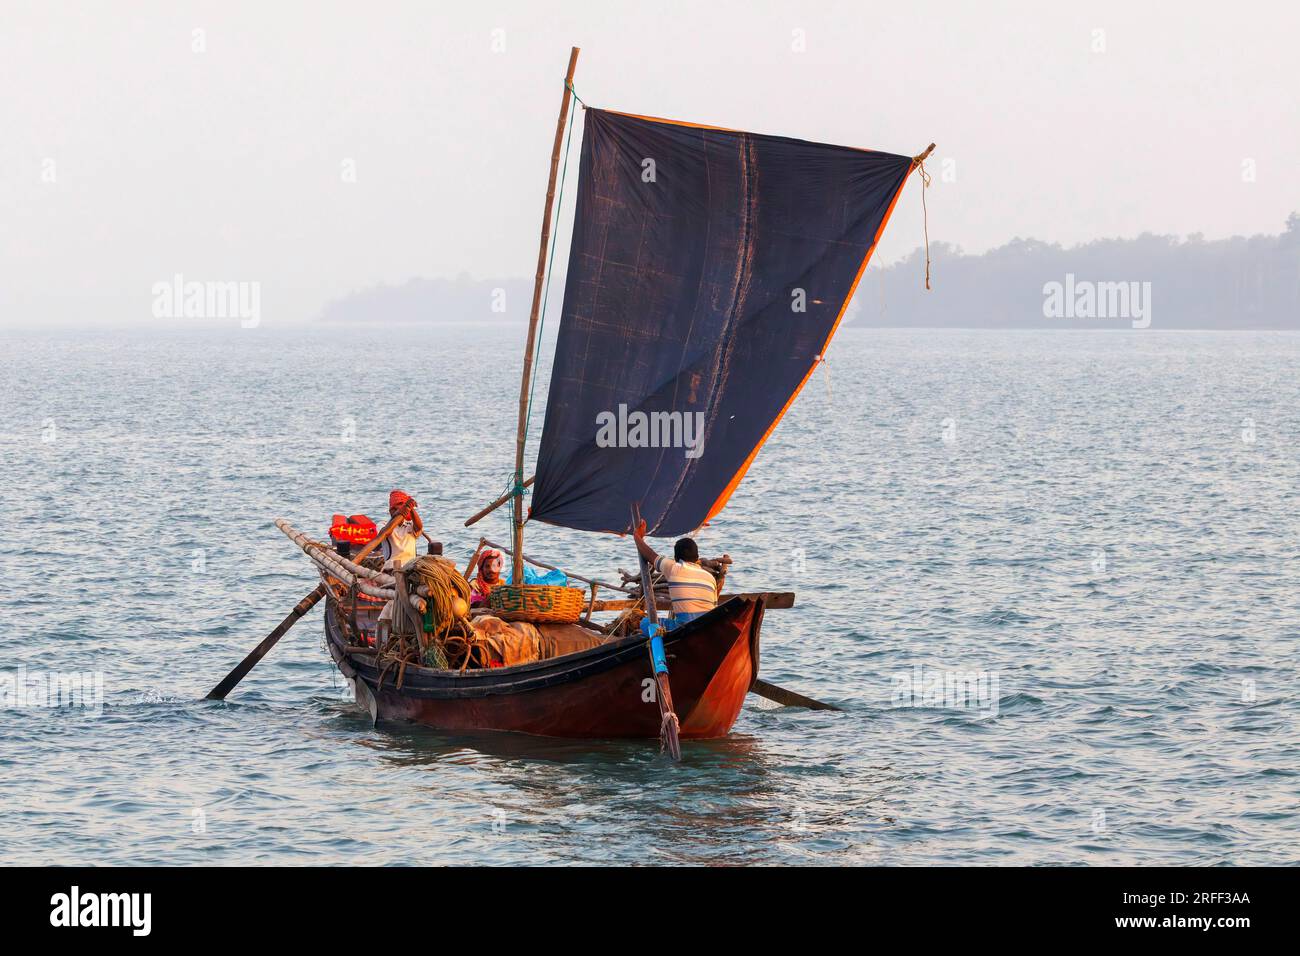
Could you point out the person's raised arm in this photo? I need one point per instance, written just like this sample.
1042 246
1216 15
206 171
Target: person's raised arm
647 552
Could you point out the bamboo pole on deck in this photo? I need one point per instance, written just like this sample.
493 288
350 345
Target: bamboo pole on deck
368 581
517 565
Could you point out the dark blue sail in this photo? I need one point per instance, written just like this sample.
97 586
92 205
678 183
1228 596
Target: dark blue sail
708 272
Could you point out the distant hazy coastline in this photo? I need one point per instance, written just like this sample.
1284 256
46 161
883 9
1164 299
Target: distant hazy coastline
1192 283
435 300
1237 283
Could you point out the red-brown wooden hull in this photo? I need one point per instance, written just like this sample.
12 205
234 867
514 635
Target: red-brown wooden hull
599 693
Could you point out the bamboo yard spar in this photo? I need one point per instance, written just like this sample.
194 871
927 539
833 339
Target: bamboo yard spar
708 271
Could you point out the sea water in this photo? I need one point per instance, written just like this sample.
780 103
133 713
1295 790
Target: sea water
1051 577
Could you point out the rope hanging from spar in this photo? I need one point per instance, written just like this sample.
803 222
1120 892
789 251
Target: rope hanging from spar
918 163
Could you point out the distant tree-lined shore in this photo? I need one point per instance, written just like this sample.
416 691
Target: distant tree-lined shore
1238 283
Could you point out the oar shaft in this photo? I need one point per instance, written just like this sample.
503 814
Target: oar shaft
668 722
248 663
787 697
380 538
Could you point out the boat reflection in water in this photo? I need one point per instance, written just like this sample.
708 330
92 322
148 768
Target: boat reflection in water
732 800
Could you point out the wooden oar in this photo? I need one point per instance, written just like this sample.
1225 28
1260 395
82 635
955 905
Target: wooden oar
248 663
669 726
788 697
302 607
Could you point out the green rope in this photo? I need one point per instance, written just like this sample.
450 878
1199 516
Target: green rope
546 293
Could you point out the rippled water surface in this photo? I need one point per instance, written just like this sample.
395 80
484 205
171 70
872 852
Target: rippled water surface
1101 526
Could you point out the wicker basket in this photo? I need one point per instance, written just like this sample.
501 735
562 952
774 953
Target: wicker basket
536 603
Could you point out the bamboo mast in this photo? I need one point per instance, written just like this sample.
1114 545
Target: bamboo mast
517 566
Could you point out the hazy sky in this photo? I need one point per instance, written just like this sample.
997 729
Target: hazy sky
127 156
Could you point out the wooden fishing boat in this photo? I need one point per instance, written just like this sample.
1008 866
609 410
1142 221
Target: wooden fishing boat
605 690
708 271
595 693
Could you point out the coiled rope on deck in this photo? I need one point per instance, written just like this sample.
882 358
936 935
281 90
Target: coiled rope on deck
442 587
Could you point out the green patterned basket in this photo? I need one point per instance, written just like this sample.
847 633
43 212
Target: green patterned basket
537 603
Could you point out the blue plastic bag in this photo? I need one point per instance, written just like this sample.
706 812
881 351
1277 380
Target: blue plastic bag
534 576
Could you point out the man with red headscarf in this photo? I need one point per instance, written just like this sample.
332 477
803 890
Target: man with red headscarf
399 547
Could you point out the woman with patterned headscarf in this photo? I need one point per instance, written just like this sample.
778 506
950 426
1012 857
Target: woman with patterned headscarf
490 563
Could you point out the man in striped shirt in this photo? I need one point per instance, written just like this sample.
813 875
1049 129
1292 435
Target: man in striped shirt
692 589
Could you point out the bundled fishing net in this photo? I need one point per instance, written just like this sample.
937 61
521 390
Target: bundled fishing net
446 639
445 593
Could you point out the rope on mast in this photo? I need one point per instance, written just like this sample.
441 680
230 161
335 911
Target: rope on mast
546 291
